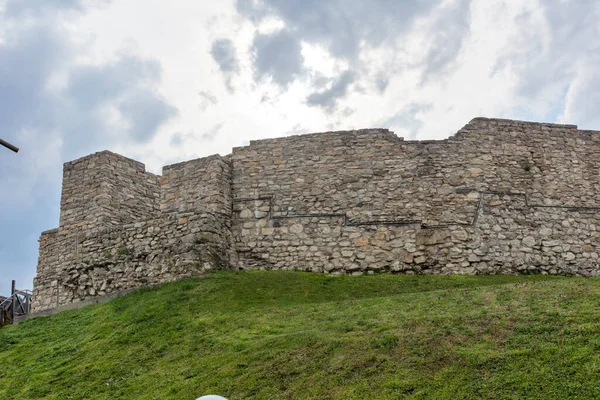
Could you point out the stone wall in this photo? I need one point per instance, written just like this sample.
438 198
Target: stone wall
368 201
499 196
106 189
192 233
181 193
506 235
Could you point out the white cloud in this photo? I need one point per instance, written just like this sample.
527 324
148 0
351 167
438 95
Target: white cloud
141 80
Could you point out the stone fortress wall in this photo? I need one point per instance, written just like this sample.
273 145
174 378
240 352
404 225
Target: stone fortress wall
174 226
500 196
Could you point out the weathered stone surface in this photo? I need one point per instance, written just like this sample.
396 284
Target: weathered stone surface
545 231
500 196
361 241
460 235
188 233
528 241
587 248
431 236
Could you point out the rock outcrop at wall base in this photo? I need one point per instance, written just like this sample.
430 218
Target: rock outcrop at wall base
500 196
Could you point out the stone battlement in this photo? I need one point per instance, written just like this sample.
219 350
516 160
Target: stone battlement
499 196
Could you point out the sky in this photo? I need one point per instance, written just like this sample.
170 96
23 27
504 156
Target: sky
166 81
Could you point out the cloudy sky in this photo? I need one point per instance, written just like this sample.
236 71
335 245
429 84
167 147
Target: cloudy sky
164 81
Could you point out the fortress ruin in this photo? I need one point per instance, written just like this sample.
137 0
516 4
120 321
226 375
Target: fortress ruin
498 197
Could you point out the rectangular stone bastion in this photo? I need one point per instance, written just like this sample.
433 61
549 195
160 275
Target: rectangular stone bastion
498 197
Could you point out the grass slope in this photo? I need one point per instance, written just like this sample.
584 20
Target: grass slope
286 335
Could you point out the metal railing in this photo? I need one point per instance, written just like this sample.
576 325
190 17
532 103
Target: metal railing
16 305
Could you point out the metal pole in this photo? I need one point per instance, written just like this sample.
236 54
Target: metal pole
9 146
13 289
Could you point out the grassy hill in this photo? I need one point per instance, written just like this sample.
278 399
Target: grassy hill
286 335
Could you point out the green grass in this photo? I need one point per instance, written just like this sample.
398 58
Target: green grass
287 335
